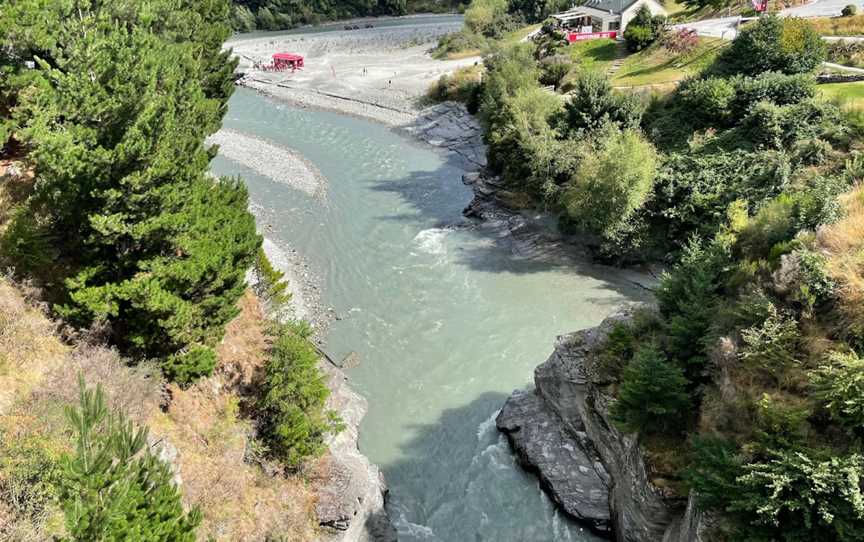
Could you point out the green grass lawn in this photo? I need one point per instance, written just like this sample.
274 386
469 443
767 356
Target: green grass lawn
851 94
655 65
593 54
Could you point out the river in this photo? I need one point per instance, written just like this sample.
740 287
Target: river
446 322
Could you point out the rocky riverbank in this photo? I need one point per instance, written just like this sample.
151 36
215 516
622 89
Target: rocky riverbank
350 490
280 163
595 473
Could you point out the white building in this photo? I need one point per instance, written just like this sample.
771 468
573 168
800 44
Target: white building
605 15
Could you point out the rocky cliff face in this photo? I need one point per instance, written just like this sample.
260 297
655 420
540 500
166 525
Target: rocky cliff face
593 471
350 505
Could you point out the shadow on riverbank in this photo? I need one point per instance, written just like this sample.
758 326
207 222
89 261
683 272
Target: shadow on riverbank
504 241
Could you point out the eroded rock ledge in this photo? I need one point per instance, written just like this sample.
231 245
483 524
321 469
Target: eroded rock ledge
351 497
562 430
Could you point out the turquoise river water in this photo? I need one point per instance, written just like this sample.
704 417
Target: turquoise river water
446 323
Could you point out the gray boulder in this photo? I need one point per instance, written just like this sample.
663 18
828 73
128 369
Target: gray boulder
562 429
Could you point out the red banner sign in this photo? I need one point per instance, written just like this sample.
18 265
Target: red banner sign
573 36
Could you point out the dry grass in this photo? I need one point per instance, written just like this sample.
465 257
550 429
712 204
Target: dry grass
839 26
241 352
843 244
28 346
239 500
16 183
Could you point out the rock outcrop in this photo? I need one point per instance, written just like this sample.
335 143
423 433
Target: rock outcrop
449 126
563 431
350 505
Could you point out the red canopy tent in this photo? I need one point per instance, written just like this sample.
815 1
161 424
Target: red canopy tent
285 61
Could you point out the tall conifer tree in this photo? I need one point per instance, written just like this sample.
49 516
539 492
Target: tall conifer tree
114 118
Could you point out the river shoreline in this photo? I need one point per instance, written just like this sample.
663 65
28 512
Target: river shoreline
449 129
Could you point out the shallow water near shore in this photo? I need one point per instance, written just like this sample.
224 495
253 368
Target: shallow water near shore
447 323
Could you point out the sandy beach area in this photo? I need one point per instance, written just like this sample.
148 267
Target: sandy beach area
376 73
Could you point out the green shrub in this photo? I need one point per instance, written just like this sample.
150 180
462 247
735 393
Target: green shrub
519 146
242 18
781 422
150 244
507 70
713 470
774 126
689 298
812 285
463 85
643 29
613 180
622 342
113 487
787 45
638 37
773 224
27 244
554 68
849 10
693 191
482 15
801 208
771 345
652 397
812 152
459 42
617 351
707 99
777 88
839 384
30 475
270 284
593 104
796 496
187 366
292 401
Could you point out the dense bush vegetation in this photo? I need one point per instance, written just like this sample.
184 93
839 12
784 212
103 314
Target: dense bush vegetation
750 369
614 178
124 231
652 395
644 29
490 21
786 45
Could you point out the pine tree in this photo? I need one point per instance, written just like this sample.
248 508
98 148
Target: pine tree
114 119
293 399
113 488
653 396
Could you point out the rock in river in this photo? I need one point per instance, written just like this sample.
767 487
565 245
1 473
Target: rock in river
543 445
594 472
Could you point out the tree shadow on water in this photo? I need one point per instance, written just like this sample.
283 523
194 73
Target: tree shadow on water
459 481
516 244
